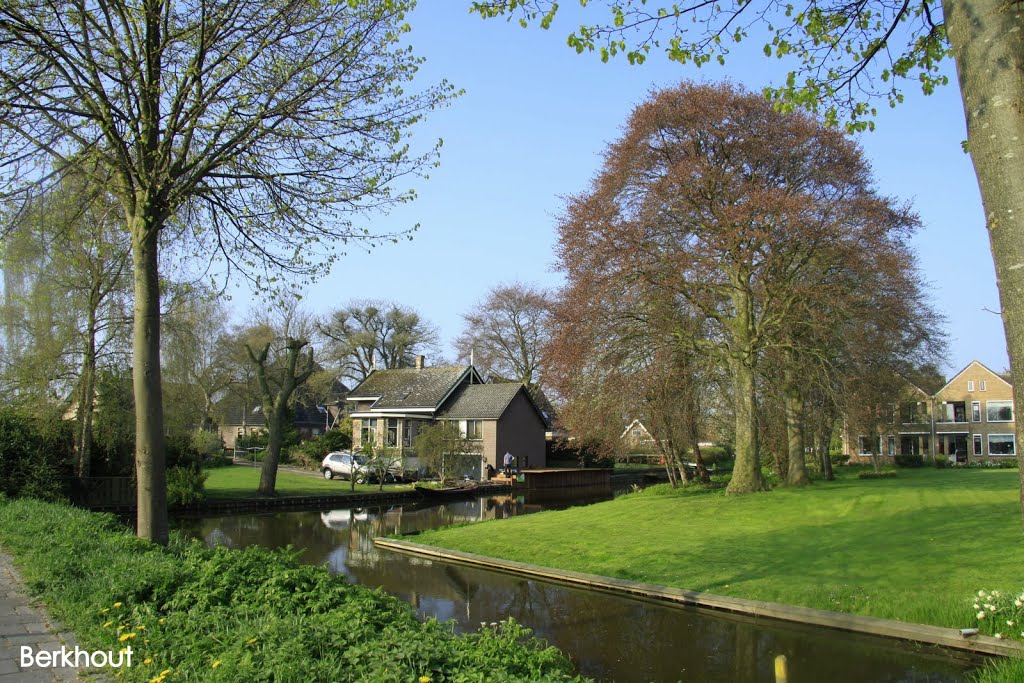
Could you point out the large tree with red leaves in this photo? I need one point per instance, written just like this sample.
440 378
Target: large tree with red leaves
735 212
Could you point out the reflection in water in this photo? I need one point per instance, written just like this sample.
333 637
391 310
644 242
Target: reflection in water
609 637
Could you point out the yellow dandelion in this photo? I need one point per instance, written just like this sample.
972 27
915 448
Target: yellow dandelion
251 641
108 624
165 672
215 664
424 679
104 610
147 661
117 604
126 636
163 620
140 628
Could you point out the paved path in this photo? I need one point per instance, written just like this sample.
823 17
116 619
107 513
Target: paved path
23 622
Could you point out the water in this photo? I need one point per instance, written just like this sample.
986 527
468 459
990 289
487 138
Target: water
609 637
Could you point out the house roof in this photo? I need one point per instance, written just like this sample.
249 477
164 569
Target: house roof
404 388
304 416
968 367
480 401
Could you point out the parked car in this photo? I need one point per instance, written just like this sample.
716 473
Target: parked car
344 464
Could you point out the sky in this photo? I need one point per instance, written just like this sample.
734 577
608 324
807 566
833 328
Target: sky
530 130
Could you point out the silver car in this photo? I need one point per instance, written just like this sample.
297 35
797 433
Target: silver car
343 464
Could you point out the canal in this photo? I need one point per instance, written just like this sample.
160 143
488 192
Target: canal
608 637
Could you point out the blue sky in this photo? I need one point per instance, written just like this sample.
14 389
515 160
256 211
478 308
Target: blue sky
531 129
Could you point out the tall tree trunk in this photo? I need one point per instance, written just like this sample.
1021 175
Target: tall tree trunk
150 471
86 398
702 470
793 399
824 442
746 474
987 37
272 456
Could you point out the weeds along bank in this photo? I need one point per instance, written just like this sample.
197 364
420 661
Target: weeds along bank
192 613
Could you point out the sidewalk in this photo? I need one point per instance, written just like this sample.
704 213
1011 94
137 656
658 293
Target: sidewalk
24 623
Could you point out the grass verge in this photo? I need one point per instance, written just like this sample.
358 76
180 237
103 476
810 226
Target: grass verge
241 481
194 614
915 548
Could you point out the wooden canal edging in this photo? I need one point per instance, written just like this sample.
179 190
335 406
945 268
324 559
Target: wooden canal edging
886 628
565 478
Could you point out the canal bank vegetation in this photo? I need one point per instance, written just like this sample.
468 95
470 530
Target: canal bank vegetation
916 548
238 482
192 613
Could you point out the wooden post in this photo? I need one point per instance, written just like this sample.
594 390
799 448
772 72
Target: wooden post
781 669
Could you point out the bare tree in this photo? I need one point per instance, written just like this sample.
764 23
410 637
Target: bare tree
368 334
268 125
505 332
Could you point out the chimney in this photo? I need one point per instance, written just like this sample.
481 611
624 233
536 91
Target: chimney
420 362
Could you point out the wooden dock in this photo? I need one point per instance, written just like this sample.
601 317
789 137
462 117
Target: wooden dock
559 478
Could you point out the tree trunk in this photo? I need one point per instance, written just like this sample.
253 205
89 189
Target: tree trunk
272 456
149 415
824 442
86 399
702 471
987 38
746 474
793 399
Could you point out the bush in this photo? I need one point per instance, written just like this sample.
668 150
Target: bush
886 474
207 444
185 486
253 614
714 455
941 462
32 462
839 458
908 461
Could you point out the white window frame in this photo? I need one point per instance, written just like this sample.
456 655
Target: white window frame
982 385
1013 442
970 385
1000 404
861 440
978 444
975 411
891 445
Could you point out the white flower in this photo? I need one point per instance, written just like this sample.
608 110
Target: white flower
981 594
999 636
981 615
1009 622
996 593
1018 603
977 606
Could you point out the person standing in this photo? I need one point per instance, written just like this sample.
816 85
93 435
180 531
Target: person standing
508 464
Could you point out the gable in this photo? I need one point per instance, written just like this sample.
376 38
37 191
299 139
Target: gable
411 388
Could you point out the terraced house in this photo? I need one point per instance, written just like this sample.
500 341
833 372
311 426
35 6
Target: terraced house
390 407
969 419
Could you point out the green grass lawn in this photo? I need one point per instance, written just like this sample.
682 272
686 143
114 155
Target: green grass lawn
914 548
240 481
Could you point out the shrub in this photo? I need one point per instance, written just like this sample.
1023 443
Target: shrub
714 455
239 615
207 444
32 461
839 458
941 462
885 474
185 485
908 461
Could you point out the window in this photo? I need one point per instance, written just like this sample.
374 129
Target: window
982 386
867 447
391 438
892 445
975 411
407 433
914 412
368 434
970 385
952 411
474 429
1000 444
977 444
999 411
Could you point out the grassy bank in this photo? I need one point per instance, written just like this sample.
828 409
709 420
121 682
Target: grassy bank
241 481
915 548
194 614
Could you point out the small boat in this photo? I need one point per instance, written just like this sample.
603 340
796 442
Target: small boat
467 489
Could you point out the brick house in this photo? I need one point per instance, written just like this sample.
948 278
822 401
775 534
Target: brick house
971 418
390 407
